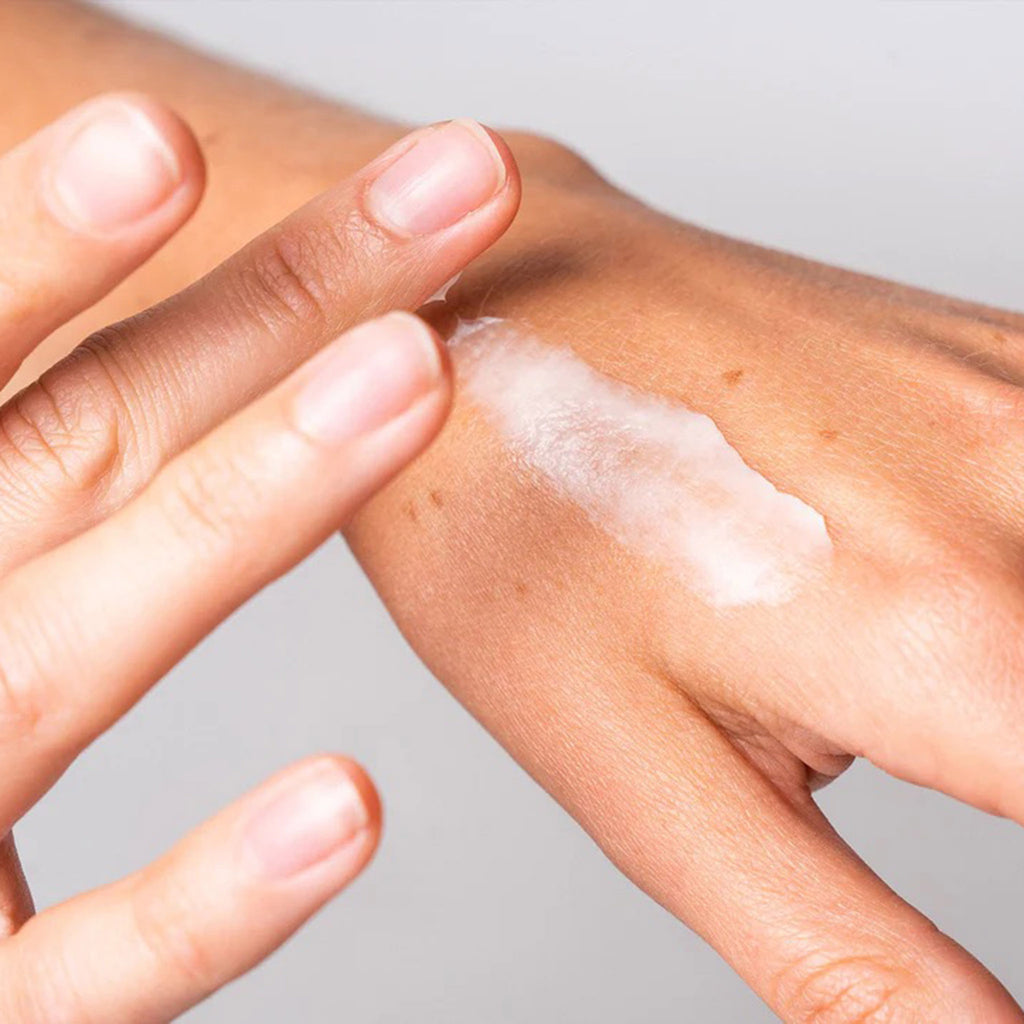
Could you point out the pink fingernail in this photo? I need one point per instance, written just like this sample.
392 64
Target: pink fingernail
447 173
308 819
370 376
114 170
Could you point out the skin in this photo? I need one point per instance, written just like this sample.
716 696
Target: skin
120 551
686 740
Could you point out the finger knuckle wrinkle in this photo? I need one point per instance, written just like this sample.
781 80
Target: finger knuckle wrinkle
197 512
212 504
962 623
24 701
551 157
164 922
849 990
290 278
66 431
46 992
22 297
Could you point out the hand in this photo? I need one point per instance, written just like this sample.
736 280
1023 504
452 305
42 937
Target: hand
684 739
140 504
687 738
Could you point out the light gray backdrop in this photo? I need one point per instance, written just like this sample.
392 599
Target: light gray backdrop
886 136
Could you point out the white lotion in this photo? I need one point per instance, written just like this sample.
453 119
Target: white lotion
442 293
656 476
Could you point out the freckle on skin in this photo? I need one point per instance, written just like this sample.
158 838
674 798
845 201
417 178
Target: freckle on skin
437 499
520 588
828 435
732 377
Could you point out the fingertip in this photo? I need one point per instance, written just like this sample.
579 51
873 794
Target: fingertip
351 853
213 907
429 416
386 378
373 807
122 166
432 341
498 212
350 856
510 195
364 786
181 141
318 819
439 178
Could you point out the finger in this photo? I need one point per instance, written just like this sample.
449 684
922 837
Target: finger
801 918
764 879
99 424
822 939
84 202
147 948
85 629
922 680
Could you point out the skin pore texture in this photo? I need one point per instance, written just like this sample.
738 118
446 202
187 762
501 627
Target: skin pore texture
684 736
654 475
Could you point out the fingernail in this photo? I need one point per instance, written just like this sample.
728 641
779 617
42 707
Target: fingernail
449 172
313 816
114 170
367 378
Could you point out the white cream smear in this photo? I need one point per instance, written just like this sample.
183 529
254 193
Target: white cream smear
442 293
657 477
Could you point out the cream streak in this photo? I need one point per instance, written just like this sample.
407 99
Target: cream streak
656 476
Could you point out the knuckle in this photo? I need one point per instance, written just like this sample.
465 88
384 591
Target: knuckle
550 158
987 418
980 416
861 989
21 706
69 431
21 298
944 610
946 632
210 503
296 273
959 620
196 513
164 921
27 702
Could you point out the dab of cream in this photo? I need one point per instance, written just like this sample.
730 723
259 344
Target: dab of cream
656 476
442 293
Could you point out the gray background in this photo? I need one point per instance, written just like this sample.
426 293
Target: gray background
883 136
